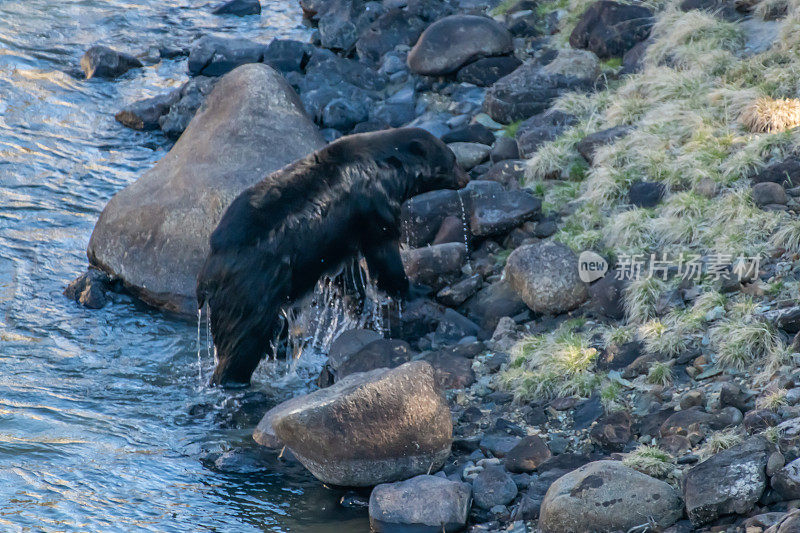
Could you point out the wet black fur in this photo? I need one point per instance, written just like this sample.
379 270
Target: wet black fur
280 236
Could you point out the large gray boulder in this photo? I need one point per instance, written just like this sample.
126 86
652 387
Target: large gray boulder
153 234
424 502
452 42
545 275
729 482
370 427
531 88
607 496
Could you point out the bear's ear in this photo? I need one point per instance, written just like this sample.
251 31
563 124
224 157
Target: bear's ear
418 148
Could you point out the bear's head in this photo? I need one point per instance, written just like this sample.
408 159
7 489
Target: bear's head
428 161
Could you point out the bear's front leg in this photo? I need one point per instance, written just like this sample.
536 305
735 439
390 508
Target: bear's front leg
385 264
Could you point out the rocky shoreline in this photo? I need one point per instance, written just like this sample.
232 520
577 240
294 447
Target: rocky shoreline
518 397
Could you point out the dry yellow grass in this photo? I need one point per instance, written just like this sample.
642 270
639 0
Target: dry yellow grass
771 115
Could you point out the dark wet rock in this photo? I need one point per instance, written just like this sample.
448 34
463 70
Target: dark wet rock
498 444
422 216
734 395
725 418
787 319
450 370
607 296
685 421
786 481
494 302
785 173
451 230
349 343
607 496
633 60
103 62
763 521
758 420
342 114
192 95
775 462
435 266
468 155
430 10
504 148
675 445
389 425
527 509
453 326
391 29
178 202
729 482
693 398
343 21
244 461
419 317
329 71
458 293
89 289
485 72
472 133
528 454
381 353
609 29
216 56
492 487
240 8
145 114
767 193
287 55
545 229
587 412
454 41
545 275
541 128
613 431
788 524
588 146
529 90
498 213
646 193
393 114
423 502
508 173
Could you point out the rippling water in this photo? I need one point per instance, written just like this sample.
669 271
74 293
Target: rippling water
103 421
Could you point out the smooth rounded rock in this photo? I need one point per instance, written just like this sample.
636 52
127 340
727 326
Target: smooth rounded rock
424 502
545 275
154 234
104 62
607 496
449 43
370 427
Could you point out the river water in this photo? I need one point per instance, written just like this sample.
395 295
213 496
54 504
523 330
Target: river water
105 424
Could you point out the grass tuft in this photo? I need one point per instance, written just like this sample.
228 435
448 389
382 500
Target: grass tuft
650 460
771 115
550 365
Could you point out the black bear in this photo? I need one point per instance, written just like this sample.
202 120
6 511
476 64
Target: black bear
278 237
